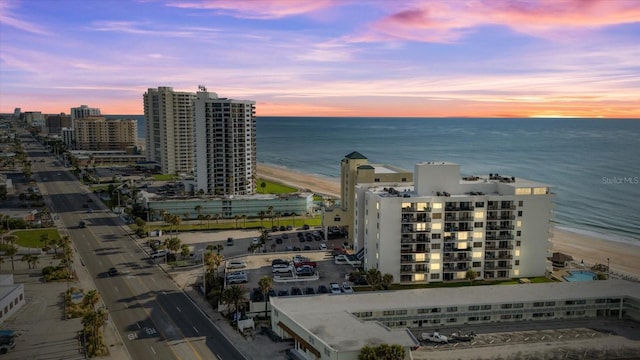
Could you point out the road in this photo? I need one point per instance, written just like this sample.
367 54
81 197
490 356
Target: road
153 316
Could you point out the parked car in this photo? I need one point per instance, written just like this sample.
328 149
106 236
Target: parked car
322 289
236 274
335 288
112 271
157 253
323 246
279 269
279 262
307 248
237 280
229 241
309 291
296 291
346 287
305 271
278 241
237 264
283 292
255 241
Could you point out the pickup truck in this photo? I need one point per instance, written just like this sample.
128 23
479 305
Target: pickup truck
435 337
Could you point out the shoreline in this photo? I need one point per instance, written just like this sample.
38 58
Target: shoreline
623 256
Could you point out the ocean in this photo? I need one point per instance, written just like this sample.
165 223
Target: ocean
593 165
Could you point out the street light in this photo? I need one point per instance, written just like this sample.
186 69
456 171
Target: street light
608 270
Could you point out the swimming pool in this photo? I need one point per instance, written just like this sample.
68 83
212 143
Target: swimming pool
581 275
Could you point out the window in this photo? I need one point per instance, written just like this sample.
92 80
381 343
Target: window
436 236
550 303
520 203
506 306
452 320
337 218
474 308
401 312
538 304
452 309
435 246
476 264
518 243
436 216
486 307
472 318
478 224
520 213
435 310
517 262
477 244
519 233
479 204
518 305
389 312
434 276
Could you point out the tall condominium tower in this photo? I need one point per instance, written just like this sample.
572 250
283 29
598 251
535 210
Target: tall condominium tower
225 143
169 129
84 111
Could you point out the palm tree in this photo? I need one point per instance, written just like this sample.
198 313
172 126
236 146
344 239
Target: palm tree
207 217
387 280
270 212
261 215
11 251
244 221
34 261
263 185
368 353
44 238
173 244
237 217
91 298
198 209
234 295
27 258
92 322
265 284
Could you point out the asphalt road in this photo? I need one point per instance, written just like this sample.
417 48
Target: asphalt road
153 316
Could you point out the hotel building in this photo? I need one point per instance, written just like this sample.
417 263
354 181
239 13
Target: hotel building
225 145
169 122
336 327
98 133
84 111
442 226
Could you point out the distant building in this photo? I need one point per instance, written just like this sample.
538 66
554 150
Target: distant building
83 111
169 131
443 226
225 145
98 133
55 123
34 119
68 137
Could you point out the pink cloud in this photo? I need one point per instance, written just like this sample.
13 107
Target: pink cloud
9 19
264 9
448 21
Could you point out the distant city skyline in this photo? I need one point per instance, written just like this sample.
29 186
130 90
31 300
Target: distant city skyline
407 58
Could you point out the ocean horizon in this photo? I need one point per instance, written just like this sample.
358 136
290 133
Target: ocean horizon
591 164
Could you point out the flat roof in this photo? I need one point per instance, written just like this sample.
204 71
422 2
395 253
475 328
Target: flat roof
330 316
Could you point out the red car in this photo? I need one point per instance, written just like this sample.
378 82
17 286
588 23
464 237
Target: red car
303 263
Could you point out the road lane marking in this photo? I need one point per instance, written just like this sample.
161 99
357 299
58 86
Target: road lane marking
152 350
138 324
194 328
178 309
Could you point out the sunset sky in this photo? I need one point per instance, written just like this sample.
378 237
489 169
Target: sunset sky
477 58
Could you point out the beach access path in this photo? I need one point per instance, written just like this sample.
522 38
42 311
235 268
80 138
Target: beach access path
623 257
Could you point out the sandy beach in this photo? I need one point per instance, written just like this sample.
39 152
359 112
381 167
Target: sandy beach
623 257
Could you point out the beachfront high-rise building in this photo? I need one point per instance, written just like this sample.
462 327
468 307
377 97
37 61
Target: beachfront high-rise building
98 133
169 129
444 227
83 111
225 144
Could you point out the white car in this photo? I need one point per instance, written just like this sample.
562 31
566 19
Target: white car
335 288
255 241
346 287
279 269
323 246
236 264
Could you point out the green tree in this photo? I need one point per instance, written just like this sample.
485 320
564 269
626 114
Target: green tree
261 215
382 352
173 244
185 250
11 251
234 295
91 298
470 275
263 185
387 280
374 279
368 353
198 209
27 258
44 238
265 283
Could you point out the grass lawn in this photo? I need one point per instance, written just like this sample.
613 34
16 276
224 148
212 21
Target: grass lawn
31 238
273 187
164 177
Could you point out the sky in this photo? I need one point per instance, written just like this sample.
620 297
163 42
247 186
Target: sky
404 58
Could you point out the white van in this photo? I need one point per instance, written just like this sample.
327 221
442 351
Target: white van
237 264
